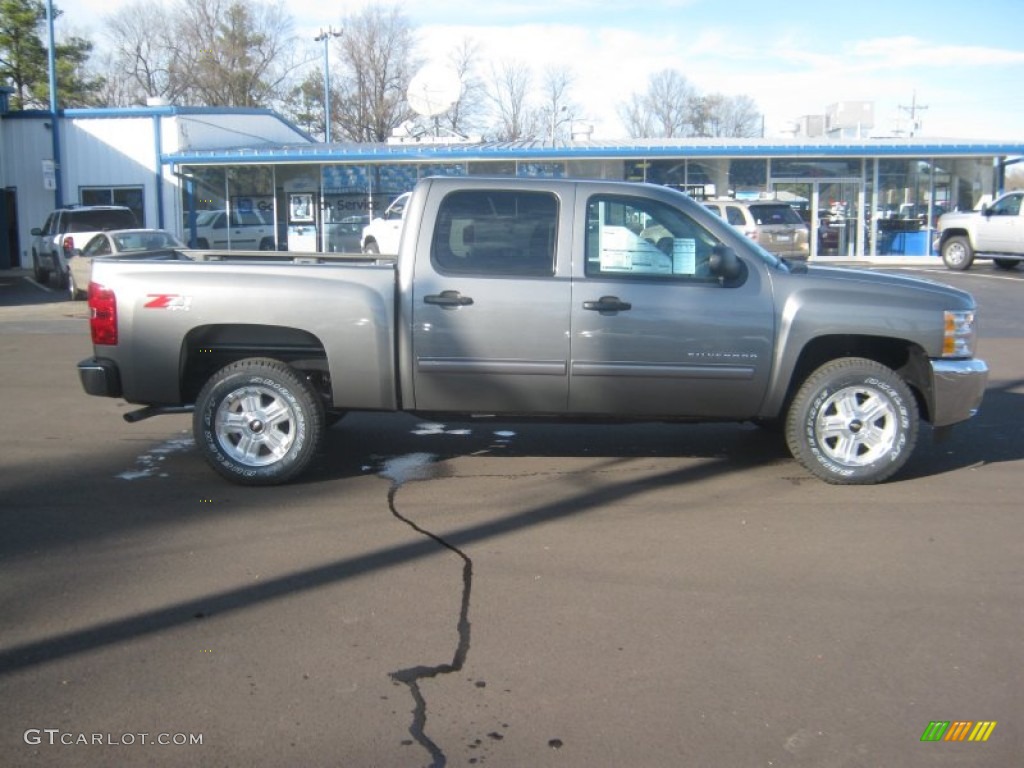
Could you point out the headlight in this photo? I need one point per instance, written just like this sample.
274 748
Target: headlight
959 335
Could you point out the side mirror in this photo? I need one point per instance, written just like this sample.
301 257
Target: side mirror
36 231
725 263
985 210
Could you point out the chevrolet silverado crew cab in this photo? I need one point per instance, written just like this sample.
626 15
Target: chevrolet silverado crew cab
560 299
995 232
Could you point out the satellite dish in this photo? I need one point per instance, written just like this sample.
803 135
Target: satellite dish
433 90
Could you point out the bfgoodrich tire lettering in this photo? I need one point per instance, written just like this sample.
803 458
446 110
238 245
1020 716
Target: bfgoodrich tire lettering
853 422
258 422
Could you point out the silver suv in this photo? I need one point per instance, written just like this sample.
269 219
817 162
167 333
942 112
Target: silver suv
772 224
69 228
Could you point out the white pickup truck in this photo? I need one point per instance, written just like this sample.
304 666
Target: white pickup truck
536 298
995 232
384 233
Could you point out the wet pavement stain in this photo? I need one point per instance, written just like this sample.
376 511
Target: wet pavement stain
400 470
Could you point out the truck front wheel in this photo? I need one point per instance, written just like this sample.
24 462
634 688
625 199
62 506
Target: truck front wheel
853 422
957 253
258 422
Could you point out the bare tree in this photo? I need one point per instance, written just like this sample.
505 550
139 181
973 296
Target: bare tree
375 68
668 99
636 118
141 62
510 85
235 53
672 108
741 118
556 112
466 115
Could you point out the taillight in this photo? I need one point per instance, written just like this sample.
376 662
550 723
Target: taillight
69 246
102 315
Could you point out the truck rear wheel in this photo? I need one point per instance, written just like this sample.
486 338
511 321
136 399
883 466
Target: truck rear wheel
1006 264
258 422
42 276
853 422
957 253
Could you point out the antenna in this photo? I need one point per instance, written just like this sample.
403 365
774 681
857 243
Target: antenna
433 90
912 110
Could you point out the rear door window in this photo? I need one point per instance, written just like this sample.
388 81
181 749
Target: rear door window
774 213
496 232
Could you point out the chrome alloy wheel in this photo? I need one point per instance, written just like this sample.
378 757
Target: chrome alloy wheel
856 426
255 426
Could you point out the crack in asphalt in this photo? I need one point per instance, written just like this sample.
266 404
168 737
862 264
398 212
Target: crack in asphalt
412 676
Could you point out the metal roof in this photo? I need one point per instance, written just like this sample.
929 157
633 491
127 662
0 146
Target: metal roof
540 151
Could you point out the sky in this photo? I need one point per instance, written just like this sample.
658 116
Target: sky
958 64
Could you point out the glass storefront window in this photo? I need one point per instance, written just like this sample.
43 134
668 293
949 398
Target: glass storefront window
492 168
816 167
901 218
541 170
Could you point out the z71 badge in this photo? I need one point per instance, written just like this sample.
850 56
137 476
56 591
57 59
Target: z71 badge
172 301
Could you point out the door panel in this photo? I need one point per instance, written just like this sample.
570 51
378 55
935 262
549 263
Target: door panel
666 339
490 318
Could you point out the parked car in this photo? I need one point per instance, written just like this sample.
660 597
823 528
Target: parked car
120 242
384 233
68 228
772 224
242 231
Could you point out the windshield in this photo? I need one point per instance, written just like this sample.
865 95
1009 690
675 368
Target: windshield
145 241
206 218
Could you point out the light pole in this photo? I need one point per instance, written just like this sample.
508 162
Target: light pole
51 55
325 38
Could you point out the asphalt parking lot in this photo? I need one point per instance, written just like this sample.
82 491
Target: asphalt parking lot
500 595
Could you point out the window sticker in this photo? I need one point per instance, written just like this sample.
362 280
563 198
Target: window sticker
684 256
623 251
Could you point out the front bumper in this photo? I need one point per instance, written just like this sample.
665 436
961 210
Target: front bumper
957 389
100 377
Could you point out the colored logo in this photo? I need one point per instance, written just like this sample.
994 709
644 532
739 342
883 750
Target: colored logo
958 730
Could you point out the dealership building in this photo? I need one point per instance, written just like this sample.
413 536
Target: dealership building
878 198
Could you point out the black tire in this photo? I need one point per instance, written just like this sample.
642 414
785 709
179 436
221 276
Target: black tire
1006 264
371 248
258 422
63 279
74 292
42 276
267 244
202 244
957 253
853 422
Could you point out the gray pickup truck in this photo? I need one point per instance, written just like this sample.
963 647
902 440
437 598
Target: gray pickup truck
563 299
